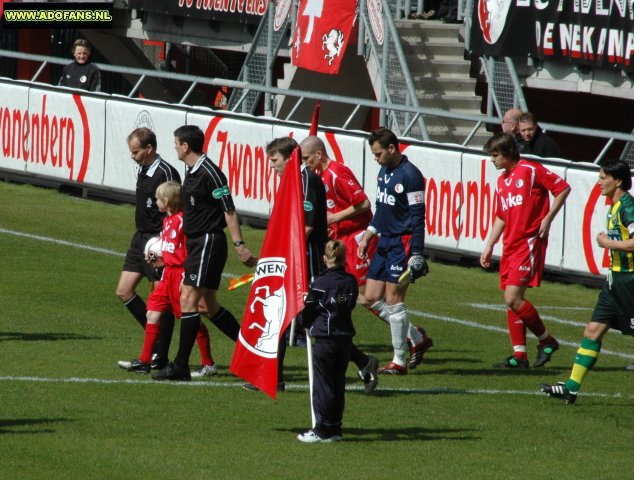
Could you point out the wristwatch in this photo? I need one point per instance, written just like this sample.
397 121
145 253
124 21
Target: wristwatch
237 243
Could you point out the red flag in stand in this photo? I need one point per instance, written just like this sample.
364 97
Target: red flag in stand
278 287
322 34
313 129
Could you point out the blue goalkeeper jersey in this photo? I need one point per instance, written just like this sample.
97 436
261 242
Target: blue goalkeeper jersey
400 208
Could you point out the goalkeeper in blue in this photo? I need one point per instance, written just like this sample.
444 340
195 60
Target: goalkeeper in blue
399 222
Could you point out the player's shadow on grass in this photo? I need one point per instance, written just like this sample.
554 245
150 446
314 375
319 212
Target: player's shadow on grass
23 426
402 434
38 337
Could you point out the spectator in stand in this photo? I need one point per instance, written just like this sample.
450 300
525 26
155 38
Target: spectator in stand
448 11
536 141
431 8
510 124
81 73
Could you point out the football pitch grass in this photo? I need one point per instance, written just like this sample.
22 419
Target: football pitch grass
68 412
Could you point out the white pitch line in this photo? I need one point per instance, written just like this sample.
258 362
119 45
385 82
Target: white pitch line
229 275
82 246
297 387
62 242
500 306
549 318
493 328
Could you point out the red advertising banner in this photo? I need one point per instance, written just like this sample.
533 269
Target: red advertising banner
278 286
322 34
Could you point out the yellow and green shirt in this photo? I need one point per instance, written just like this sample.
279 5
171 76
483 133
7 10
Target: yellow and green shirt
620 227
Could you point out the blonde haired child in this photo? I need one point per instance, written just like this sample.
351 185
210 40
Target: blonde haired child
166 296
327 314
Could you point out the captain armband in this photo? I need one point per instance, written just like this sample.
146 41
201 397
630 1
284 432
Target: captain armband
372 229
415 198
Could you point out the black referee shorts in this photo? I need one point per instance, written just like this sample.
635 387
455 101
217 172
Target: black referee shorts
134 259
206 257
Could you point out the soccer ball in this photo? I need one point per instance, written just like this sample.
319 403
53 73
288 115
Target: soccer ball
153 249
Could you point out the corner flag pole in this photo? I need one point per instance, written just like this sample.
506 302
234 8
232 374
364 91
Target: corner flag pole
313 131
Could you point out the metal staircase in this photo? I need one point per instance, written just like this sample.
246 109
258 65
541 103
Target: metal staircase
441 75
259 62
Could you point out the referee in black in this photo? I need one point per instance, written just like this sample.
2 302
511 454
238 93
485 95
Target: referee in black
153 171
207 208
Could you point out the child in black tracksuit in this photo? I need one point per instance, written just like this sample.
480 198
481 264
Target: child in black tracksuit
327 314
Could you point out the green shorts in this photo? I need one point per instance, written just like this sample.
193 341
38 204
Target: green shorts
615 303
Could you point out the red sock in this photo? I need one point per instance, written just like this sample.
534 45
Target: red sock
204 345
518 334
151 331
532 320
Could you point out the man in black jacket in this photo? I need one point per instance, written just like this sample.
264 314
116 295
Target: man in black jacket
536 141
81 73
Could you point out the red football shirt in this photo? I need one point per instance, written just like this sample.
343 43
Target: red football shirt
523 201
344 191
174 246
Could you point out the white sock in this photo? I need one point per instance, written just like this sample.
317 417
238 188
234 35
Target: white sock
399 322
415 336
382 310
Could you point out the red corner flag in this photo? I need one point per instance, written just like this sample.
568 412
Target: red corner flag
279 284
322 34
313 129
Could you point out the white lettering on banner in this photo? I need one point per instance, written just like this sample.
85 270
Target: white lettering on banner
254 7
586 42
39 137
247 166
584 7
445 215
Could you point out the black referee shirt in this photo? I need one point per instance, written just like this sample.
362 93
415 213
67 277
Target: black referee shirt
315 208
148 217
85 76
205 198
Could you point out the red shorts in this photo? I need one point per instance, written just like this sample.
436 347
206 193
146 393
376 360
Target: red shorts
524 266
356 266
166 296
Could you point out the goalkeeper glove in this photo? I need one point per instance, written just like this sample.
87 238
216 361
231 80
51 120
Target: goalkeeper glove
417 267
